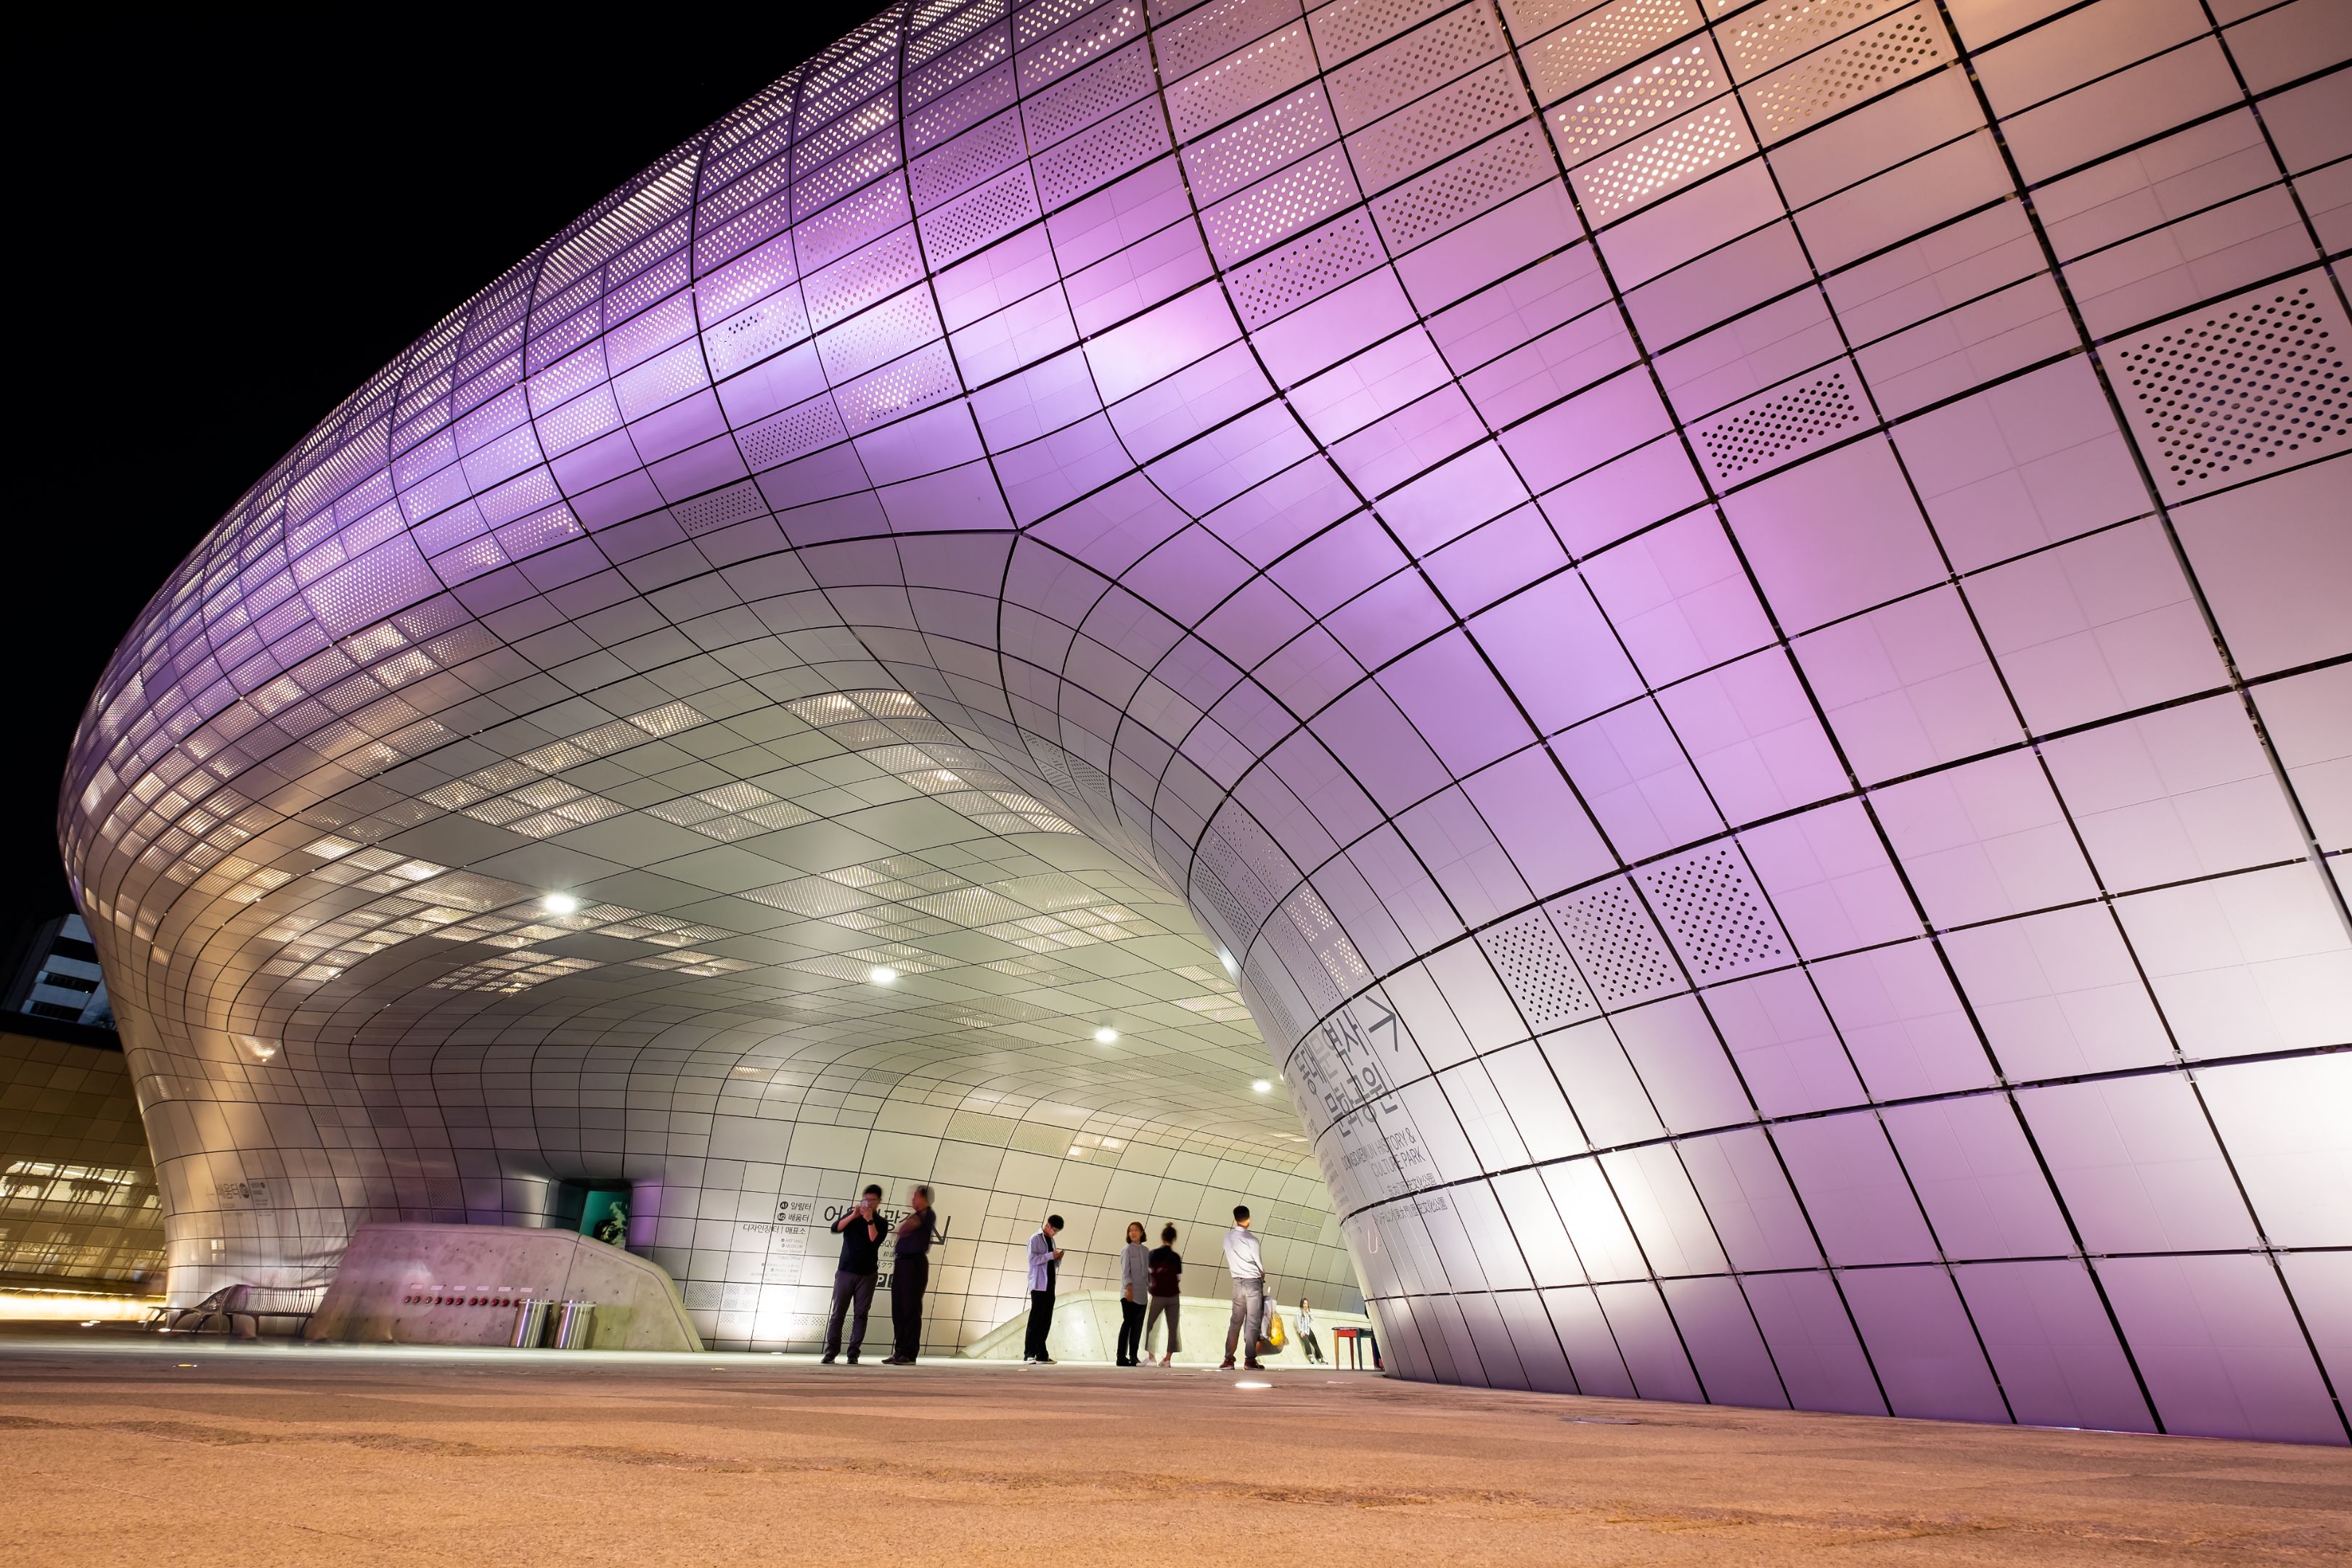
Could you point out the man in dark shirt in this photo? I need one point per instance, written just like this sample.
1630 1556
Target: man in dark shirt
861 1249
910 1272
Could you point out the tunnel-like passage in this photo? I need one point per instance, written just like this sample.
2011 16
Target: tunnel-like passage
1656 671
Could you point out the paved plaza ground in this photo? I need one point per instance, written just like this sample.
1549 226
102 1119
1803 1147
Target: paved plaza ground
124 1449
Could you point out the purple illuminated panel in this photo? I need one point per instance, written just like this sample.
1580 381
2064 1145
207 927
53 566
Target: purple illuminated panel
1675 620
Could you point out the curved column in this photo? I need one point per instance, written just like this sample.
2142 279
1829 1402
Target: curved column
1770 803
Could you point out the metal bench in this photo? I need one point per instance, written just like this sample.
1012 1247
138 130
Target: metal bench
229 1303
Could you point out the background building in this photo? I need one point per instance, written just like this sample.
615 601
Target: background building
1710 634
78 1209
56 975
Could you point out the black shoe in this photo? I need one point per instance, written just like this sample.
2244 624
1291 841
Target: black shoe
1253 1366
826 1362
1047 1360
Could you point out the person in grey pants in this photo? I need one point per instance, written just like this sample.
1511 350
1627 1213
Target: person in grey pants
1244 1263
861 1248
1134 1284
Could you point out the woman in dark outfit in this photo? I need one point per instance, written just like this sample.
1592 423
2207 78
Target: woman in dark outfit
1164 1271
910 1274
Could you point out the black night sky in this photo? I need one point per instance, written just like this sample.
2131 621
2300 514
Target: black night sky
223 225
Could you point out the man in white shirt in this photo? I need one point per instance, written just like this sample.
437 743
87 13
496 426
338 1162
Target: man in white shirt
1044 1260
1246 1264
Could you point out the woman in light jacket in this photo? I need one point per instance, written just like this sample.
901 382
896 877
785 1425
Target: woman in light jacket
1134 1285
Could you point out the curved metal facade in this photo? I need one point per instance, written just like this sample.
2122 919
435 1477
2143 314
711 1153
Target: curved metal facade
1732 616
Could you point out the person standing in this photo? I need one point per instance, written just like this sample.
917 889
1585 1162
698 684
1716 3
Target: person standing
1134 1287
1045 1259
910 1275
1307 1340
1165 1268
1246 1264
853 1278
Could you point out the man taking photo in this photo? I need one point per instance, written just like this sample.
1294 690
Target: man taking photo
852 1279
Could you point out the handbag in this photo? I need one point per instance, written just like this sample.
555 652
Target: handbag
1276 1336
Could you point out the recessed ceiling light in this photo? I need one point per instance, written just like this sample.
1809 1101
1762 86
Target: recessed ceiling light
1105 1035
561 904
881 975
1260 1087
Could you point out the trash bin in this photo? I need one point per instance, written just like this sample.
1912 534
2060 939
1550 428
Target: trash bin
572 1325
530 1323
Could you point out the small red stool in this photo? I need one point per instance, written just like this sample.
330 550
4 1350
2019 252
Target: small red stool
1356 1340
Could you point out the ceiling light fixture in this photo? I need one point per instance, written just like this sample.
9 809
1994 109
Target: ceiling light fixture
881 975
1105 1035
1260 1087
560 904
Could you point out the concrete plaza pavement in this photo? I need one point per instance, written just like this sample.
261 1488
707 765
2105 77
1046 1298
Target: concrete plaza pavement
121 1448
